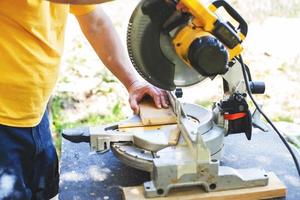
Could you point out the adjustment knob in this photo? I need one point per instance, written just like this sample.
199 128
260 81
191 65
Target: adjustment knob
178 93
208 56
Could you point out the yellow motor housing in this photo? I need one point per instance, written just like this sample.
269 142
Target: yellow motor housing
201 50
206 43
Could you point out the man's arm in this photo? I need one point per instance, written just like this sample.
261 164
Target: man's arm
101 34
80 1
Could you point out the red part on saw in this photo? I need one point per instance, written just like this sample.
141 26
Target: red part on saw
235 116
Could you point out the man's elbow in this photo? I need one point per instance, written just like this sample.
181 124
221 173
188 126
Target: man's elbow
94 23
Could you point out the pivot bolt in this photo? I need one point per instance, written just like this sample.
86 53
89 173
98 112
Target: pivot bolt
178 93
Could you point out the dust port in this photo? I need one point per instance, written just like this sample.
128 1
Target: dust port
160 191
212 186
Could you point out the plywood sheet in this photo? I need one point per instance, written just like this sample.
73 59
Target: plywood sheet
274 189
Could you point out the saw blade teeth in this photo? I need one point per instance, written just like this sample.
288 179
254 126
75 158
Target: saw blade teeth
130 50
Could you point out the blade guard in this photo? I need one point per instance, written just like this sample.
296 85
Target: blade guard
151 50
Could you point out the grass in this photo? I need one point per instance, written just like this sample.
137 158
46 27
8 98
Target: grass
205 103
73 103
58 110
283 118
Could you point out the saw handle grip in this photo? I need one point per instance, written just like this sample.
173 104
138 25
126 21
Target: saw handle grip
243 26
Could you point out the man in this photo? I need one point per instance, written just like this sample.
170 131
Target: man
31 44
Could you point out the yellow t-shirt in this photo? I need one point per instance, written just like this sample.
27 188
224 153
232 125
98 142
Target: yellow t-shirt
31 44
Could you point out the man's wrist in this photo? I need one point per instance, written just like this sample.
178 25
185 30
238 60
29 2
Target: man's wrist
131 83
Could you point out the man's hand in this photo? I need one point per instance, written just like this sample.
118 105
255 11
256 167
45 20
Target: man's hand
140 89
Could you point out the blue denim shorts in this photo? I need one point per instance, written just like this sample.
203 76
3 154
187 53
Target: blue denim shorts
28 162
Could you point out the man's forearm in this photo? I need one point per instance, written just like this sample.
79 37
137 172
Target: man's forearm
80 1
101 34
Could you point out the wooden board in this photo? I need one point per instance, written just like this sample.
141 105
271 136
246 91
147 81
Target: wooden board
171 130
151 115
133 122
274 189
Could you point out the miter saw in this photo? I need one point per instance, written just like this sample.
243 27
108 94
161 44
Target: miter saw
174 44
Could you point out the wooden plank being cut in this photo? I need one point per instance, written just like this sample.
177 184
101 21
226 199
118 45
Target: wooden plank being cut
274 189
171 130
133 122
151 115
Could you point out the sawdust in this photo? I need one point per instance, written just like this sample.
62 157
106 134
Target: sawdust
293 180
97 173
72 176
263 160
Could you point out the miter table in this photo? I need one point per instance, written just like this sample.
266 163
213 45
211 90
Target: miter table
89 175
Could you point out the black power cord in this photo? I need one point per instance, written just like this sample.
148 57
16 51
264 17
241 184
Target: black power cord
244 70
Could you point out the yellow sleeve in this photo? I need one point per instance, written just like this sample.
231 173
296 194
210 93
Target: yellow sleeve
81 9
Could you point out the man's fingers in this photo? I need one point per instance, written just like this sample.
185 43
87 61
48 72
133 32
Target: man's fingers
134 105
139 90
155 96
164 100
157 101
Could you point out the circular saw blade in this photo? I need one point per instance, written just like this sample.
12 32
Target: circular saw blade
151 50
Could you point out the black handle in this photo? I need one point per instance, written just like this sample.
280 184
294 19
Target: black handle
77 135
243 26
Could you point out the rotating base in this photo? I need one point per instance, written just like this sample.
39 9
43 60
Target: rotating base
200 122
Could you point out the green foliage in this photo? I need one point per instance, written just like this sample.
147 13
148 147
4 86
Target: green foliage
283 118
297 146
204 103
58 108
67 106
